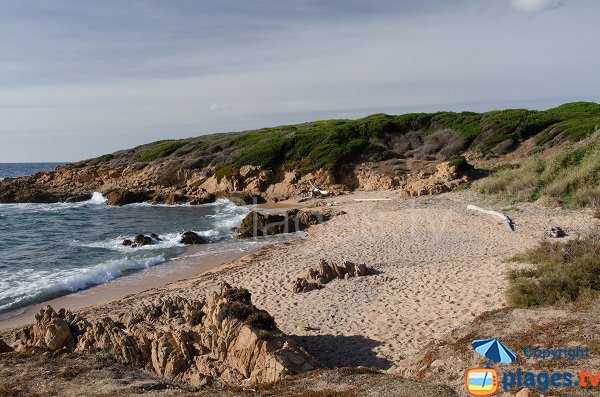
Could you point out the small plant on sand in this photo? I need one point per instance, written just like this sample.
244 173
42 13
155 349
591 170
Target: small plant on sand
563 272
104 356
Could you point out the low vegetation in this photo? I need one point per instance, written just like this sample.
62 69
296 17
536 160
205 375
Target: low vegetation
331 143
239 306
562 273
571 175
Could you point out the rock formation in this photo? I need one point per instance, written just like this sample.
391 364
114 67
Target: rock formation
225 339
4 348
326 272
256 224
191 238
445 178
141 240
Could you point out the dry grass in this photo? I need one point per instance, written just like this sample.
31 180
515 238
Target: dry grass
571 175
564 272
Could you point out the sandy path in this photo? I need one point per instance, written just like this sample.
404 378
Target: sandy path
441 265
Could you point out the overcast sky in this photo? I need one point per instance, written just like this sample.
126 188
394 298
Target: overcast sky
81 78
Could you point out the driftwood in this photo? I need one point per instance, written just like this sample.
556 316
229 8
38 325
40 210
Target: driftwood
316 192
385 199
507 221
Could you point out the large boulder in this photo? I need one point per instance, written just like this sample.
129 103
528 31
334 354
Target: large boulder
191 238
118 197
50 331
140 240
256 224
224 339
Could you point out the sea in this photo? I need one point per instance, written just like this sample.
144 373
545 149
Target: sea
50 250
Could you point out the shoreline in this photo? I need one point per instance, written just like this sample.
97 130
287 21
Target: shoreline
433 256
194 262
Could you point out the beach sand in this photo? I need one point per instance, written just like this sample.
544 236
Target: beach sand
440 265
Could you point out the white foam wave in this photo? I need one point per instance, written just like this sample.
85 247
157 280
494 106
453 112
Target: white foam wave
97 198
42 285
166 241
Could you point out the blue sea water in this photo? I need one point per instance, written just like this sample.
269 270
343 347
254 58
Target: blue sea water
14 170
49 250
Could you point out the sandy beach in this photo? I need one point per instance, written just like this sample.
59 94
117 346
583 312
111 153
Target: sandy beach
439 266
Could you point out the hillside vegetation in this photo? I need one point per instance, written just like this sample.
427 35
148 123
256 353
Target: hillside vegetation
563 272
571 176
331 143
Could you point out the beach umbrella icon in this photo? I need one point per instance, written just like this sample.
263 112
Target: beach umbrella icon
494 350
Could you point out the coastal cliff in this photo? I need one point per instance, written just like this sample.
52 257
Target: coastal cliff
378 152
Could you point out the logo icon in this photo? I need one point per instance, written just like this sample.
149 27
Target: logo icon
483 382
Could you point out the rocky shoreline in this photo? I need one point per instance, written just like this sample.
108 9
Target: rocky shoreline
168 183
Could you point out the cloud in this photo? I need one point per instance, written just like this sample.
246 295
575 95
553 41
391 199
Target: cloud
533 6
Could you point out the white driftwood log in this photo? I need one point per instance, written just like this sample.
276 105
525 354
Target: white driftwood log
507 221
374 199
317 191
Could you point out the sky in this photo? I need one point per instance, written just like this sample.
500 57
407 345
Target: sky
81 78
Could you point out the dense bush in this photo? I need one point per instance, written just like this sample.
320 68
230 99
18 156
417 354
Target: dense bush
460 162
225 171
160 149
261 320
563 272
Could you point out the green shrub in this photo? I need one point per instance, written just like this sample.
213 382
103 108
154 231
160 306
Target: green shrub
261 320
460 162
237 310
163 149
241 295
225 170
102 159
104 355
563 272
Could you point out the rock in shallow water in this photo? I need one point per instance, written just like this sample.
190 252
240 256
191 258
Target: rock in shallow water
191 238
141 240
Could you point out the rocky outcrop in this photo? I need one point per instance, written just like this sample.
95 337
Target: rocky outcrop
328 271
445 178
4 348
172 181
191 238
223 340
303 285
141 240
367 179
256 224
119 197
